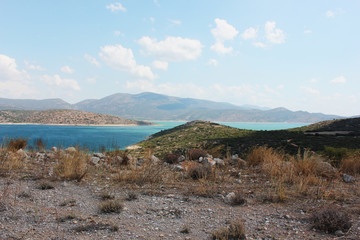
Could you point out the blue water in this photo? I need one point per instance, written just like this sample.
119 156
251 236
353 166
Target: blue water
94 138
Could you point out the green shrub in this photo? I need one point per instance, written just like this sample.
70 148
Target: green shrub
336 154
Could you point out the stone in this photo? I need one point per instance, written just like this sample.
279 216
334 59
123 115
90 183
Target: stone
154 159
118 160
181 158
229 197
22 153
219 161
54 149
178 168
70 150
238 162
339 233
348 178
325 170
95 161
209 161
99 155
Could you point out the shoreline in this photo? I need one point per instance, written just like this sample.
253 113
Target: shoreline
80 125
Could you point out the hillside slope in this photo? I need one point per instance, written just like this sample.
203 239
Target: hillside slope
220 140
67 117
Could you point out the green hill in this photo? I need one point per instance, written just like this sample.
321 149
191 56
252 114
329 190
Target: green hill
221 140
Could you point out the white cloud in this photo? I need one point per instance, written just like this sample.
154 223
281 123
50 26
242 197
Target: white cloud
161 65
330 14
33 67
67 69
250 33
273 34
8 69
213 62
259 44
61 82
310 90
313 80
118 57
91 60
13 82
117 6
340 79
172 49
152 19
176 22
219 48
223 31
308 31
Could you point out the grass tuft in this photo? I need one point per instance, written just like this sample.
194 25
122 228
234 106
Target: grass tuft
235 230
111 206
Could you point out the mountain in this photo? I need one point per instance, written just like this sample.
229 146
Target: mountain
63 116
152 106
31 104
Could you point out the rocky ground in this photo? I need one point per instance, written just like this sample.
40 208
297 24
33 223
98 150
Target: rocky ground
36 205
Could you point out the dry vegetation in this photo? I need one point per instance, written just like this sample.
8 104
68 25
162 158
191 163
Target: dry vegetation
266 176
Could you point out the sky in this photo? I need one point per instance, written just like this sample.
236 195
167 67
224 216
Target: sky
301 55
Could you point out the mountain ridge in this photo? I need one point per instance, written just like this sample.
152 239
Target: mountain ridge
153 106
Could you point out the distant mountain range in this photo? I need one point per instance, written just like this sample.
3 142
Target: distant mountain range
152 106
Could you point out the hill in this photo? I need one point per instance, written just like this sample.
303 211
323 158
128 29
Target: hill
221 140
152 106
66 117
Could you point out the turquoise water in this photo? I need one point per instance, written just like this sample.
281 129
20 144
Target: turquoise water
94 138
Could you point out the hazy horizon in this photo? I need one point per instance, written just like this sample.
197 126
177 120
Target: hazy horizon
298 55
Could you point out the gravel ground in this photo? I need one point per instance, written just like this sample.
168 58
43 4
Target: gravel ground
70 211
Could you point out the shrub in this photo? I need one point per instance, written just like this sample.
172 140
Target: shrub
171 158
237 199
45 185
331 219
198 171
235 230
111 206
260 155
39 144
16 144
131 196
336 154
195 154
351 163
72 166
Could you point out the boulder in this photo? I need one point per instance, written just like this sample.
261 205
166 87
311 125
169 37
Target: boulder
95 161
219 162
209 161
324 169
22 154
181 158
54 149
348 178
99 155
229 198
70 150
154 159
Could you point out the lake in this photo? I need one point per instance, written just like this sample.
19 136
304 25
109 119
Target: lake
96 137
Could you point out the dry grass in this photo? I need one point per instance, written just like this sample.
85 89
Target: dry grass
111 206
351 164
16 144
148 173
10 160
235 230
331 219
72 166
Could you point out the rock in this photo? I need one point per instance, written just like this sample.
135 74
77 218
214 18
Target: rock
22 153
219 161
339 233
348 178
201 159
95 161
209 161
325 170
117 160
70 150
99 155
54 149
154 159
39 156
178 168
181 158
229 198
238 162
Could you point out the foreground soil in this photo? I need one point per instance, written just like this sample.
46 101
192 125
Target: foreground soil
70 211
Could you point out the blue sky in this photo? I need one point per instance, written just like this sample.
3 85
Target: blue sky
302 55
